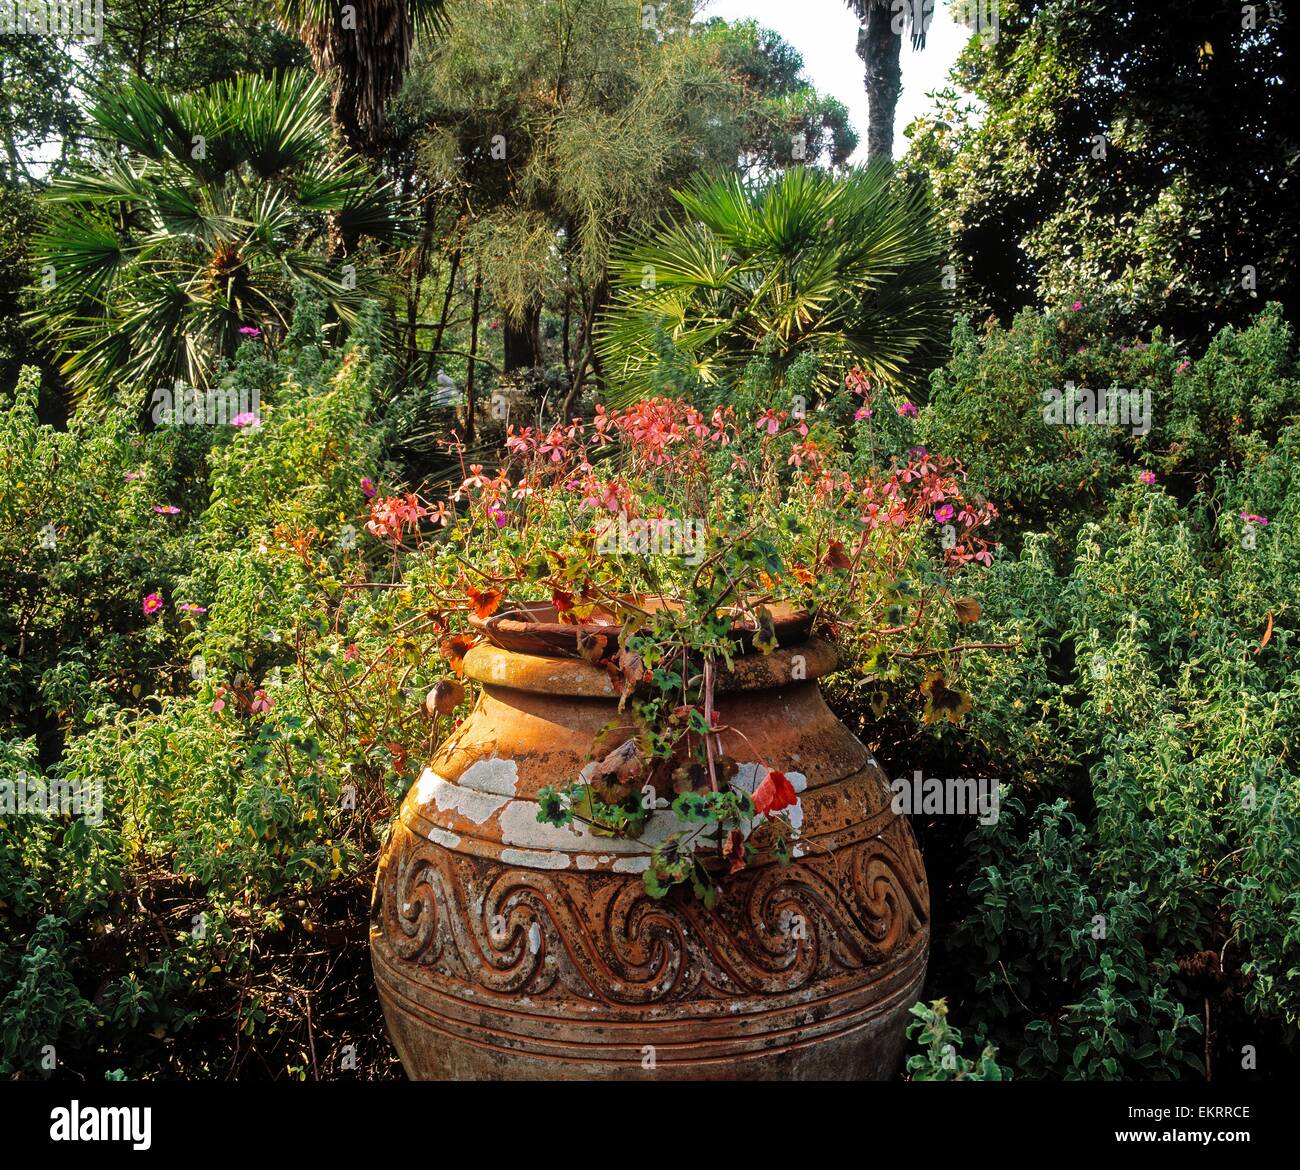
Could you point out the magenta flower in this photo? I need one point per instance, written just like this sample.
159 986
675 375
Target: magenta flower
499 516
166 509
908 410
945 513
245 419
1183 367
367 487
1074 308
250 331
152 604
1148 477
190 607
863 412
130 475
1251 518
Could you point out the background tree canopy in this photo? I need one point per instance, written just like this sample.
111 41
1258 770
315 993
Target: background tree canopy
1147 154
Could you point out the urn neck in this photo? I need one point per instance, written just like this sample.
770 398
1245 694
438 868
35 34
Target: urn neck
576 677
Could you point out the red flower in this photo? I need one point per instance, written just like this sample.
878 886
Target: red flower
774 793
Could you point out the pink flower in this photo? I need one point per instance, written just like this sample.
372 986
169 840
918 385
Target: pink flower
1148 477
389 516
1251 518
769 421
499 516
246 419
130 475
261 704
1183 367
473 480
250 331
219 704
367 486
908 410
862 412
1076 306
944 514
190 607
351 652
152 604
523 442
166 509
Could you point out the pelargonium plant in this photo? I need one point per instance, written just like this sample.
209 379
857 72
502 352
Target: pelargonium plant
670 537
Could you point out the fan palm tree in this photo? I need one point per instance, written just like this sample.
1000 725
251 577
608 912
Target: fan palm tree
880 43
364 48
846 269
198 220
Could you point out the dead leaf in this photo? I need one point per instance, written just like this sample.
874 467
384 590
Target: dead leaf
765 634
626 672
835 557
592 645
733 849
1268 633
445 697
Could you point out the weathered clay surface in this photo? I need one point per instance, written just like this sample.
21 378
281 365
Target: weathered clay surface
508 949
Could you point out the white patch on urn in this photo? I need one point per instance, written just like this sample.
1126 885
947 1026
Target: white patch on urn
536 858
442 837
476 800
534 938
494 774
519 826
424 786
592 860
632 864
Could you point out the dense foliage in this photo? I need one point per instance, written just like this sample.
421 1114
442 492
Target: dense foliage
1057 546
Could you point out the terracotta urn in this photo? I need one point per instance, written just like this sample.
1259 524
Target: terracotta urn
504 948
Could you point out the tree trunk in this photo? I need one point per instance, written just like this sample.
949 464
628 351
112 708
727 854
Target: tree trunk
880 48
442 320
521 342
583 351
472 364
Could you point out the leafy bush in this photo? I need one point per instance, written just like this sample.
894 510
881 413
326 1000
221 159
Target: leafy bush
225 795
1143 878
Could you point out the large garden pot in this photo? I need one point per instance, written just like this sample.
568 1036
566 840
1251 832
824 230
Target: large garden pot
508 949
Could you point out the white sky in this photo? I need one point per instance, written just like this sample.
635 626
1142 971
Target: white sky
825 32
